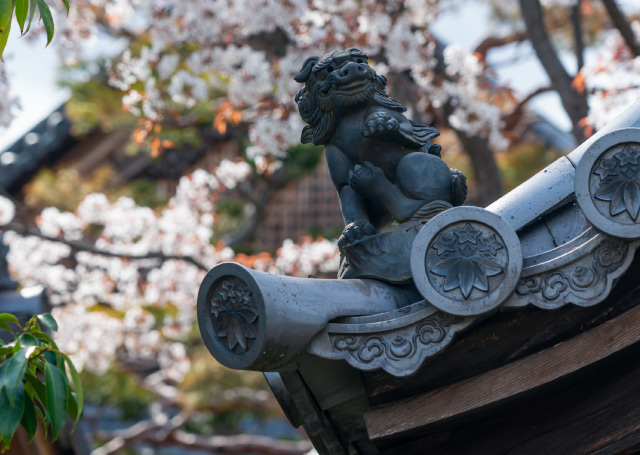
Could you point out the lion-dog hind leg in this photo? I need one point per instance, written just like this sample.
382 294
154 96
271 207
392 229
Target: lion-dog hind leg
420 178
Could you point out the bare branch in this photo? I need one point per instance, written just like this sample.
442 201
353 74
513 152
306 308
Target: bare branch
159 427
79 246
593 90
237 445
496 41
232 399
162 430
512 119
126 438
576 22
621 23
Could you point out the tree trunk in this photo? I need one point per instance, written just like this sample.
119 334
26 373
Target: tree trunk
487 179
574 103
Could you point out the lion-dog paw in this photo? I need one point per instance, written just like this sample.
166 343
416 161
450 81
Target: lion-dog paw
355 231
379 122
366 178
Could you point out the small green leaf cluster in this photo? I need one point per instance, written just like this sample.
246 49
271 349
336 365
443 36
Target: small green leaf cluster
33 380
22 9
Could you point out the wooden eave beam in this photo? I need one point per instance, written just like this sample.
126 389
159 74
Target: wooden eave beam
504 384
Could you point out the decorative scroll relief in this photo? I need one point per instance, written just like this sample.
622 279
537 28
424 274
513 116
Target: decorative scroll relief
466 261
399 351
608 183
585 281
396 346
234 315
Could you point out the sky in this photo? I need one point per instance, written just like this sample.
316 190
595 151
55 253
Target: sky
32 69
32 76
470 24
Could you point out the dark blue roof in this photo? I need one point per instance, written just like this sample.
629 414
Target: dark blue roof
40 146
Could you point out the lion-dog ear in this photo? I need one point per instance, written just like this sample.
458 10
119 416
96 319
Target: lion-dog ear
307 66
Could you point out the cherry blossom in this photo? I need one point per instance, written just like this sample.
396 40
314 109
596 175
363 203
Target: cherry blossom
7 210
144 269
613 75
8 104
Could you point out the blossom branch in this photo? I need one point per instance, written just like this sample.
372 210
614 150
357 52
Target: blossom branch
623 26
79 246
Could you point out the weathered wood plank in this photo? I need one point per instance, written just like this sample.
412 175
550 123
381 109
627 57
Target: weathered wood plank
507 382
599 415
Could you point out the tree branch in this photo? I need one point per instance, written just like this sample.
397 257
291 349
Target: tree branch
235 445
496 41
486 174
159 427
236 398
574 103
512 119
163 431
78 246
621 23
576 22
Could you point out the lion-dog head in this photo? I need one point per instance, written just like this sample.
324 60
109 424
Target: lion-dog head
340 79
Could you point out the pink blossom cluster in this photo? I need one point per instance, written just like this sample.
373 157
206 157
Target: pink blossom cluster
8 104
612 77
307 257
232 58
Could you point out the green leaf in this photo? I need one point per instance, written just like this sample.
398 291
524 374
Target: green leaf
29 419
46 318
35 388
11 414
43 419
44 337
66 4
51 357
72 407
77 386
12 372
27 340
22 7
6 350
6 12
47 20
57 389
6 317
5 326
32 12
